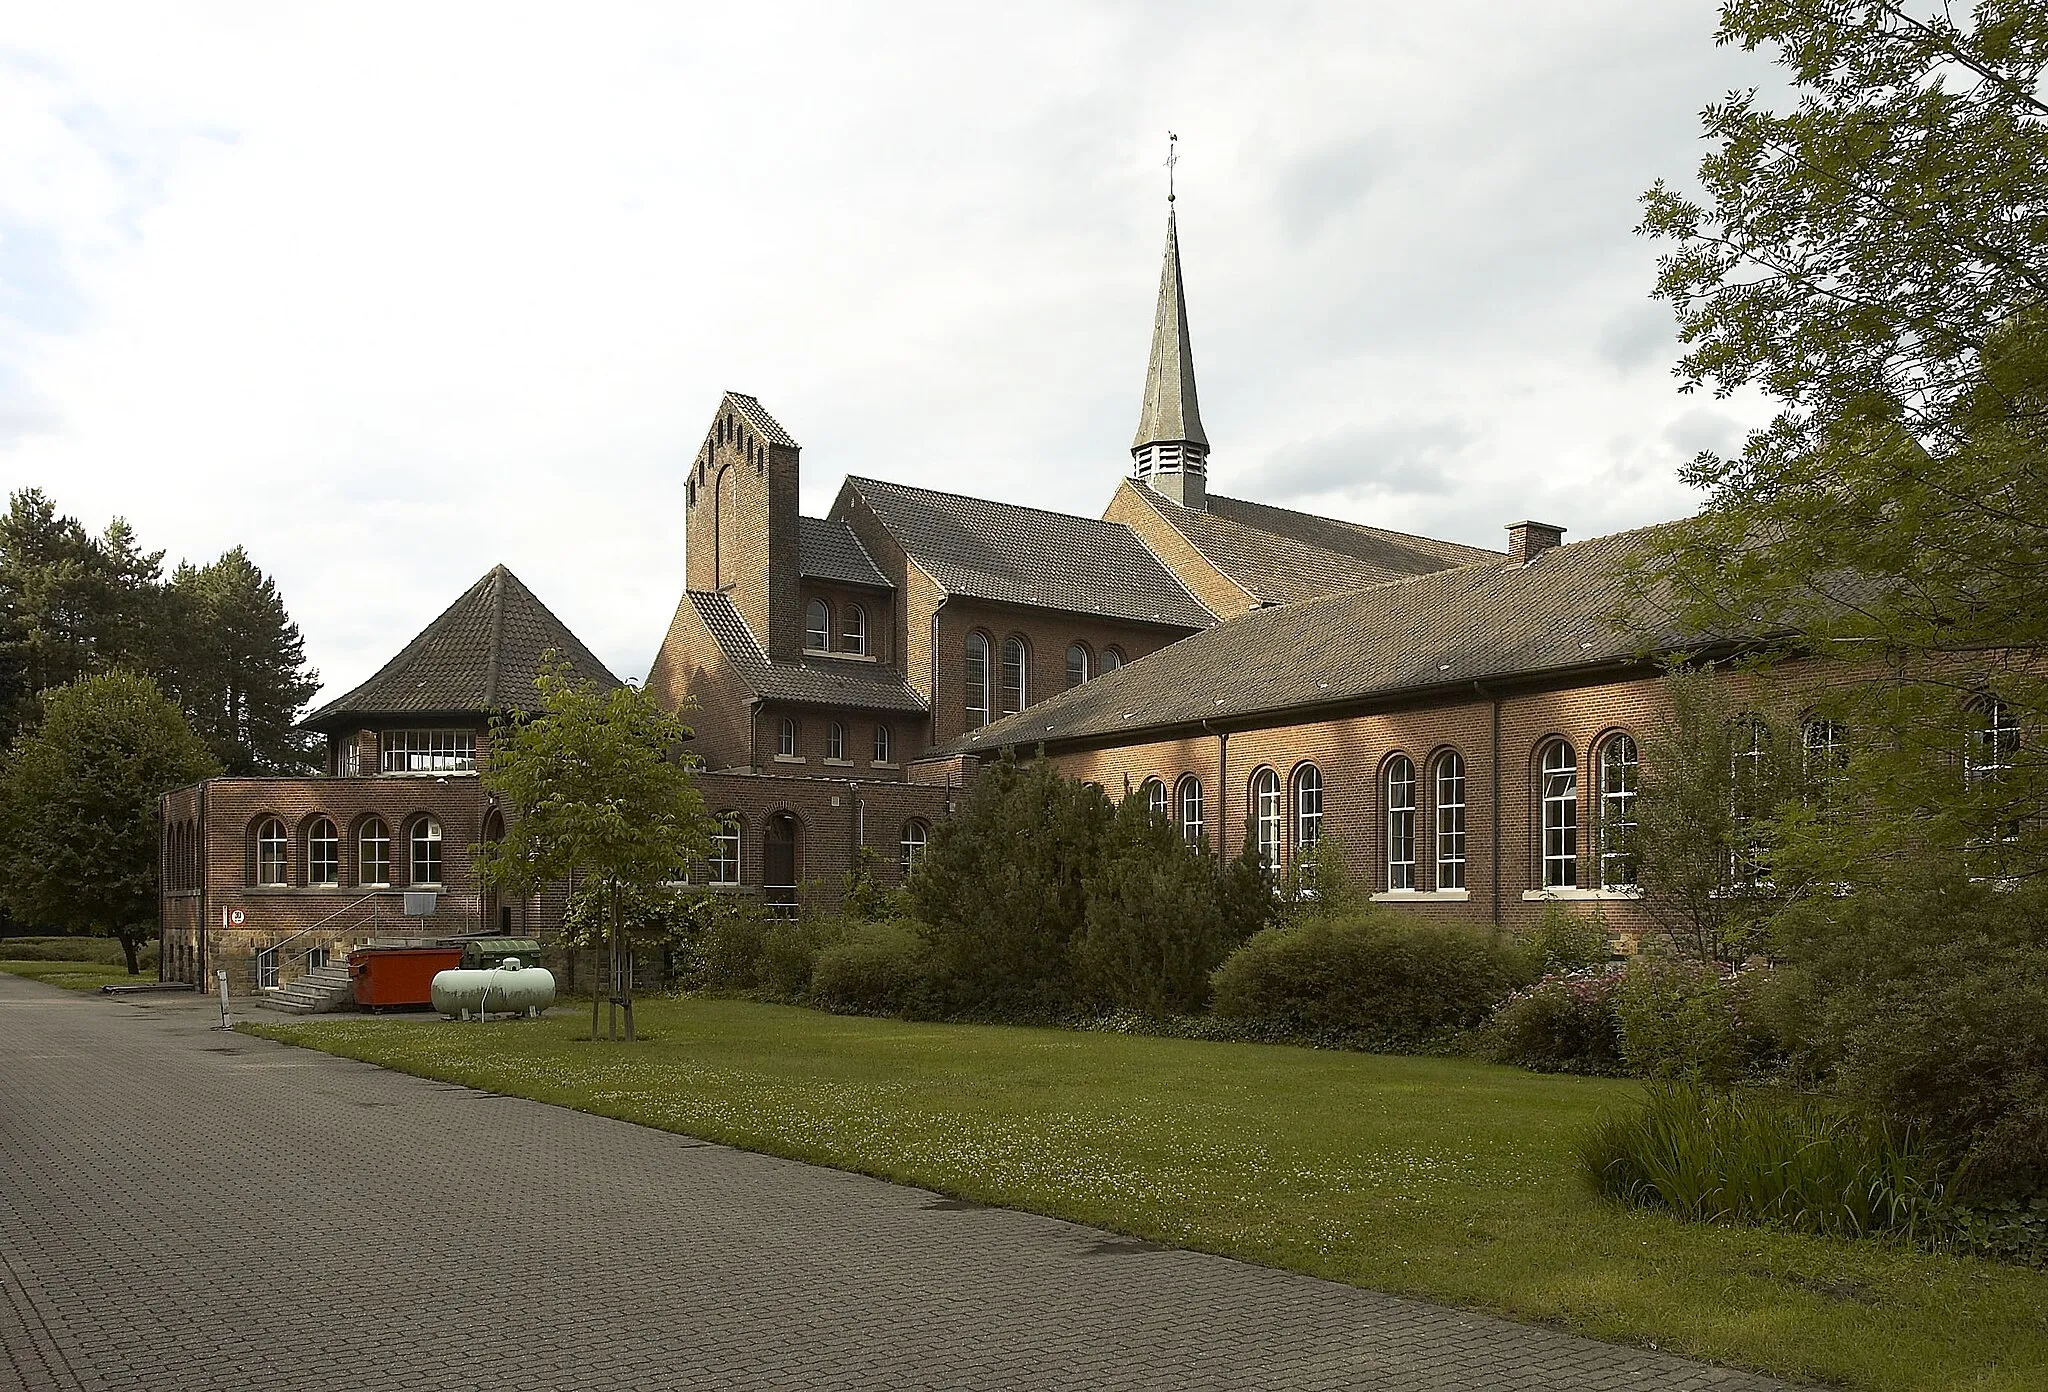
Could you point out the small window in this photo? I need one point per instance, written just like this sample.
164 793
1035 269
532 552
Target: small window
1618 812
978 692
818 626
835 741
882 740
1077 664
1560 792
724 862
785 738
1112 658
1308 807
426 852
1154 793
853 632
915 837
1399 783
270 852
373 851
1191 823
1265 791
1016 679
323 853
1450 821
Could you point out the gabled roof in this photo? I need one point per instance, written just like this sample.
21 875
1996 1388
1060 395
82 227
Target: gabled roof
1171 412
1279 556
481 655
763 424
1019 555
1447 629
828 550
823 681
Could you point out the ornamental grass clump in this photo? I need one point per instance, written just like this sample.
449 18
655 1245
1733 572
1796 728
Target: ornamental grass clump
1753 1157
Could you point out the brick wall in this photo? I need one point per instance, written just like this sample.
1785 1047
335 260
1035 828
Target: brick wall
740 528
907 739
690 664
1217 591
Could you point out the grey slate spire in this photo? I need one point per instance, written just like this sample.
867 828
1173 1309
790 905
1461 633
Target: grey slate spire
1170 452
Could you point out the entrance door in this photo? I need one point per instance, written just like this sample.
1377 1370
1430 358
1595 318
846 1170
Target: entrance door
781 857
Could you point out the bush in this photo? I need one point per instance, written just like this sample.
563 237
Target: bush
1369 979
1692 1021
725 945
1715 1157
874 969
60 948
789 954
1154 929
1566 941
1565 1023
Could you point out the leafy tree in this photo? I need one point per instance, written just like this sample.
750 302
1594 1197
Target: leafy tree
78 800
594 784
242 671
1154 926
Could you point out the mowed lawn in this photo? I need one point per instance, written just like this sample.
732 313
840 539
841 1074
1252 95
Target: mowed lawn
1442 1178
75 976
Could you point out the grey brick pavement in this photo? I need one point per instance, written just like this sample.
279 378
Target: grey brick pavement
185 1209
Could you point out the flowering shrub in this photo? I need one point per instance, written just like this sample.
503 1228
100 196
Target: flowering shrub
1695 1021
1565 1023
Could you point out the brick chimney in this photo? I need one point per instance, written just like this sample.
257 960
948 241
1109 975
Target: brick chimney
1528 540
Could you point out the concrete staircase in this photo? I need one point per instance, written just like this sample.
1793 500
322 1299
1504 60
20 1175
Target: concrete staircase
320 989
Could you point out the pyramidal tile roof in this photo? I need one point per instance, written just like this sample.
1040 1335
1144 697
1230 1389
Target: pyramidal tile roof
481 655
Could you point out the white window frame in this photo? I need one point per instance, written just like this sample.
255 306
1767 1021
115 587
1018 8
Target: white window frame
1558 789
374 832
1267 814
1751 749
915 841
1079 662
427 751
1450 820
273 853
323 866
424 844
1111 659
835 741
723 863
853 630
1619 763
883 742
1397 791
1016 674
1192 825
979 673
817 626
1154 791
785 738
1308 807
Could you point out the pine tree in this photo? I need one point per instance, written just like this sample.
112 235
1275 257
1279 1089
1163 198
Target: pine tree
51 576
240 670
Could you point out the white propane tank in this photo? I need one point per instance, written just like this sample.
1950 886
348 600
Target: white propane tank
507 989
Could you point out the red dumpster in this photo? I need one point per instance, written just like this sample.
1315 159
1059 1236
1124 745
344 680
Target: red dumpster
388 977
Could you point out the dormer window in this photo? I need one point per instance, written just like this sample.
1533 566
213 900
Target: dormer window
429 751
818 626
854 633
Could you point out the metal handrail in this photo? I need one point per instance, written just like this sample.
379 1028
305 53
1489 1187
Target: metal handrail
375 917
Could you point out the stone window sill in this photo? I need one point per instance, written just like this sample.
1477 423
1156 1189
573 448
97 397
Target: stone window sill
1562 895
791 759
884 764
1422 896
839 763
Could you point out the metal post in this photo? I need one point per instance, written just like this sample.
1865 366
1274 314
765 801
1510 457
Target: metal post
225 1023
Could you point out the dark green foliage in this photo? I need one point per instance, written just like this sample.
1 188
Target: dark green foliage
789 953
1370 979
866 898
1565 1023
663 917
241 667
1154 929
1566 942
725 943
1693 1022
1752 1157
1245 893
105 951
78 797
874 969
1003 890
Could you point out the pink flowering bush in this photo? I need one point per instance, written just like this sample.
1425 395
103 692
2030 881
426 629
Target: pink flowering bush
1564 1023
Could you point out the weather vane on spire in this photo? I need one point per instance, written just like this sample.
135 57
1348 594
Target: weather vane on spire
1172 158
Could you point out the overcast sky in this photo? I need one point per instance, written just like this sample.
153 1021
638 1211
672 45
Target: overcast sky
390 294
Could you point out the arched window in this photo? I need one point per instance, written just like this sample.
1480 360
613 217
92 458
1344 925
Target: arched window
1077 664
785 738
1988 764
323 853
1398 784
724 861
1191 820
373 853
1823 751
881 744
977 681
818 626
1265 800
1112 658
1618 812
270 851
915 837
835 741
1559 790
1154 793
853 632
1450 820
1751 756
1308 808
426 852
1016 675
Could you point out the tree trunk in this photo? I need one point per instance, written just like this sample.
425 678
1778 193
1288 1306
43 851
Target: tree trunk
128 950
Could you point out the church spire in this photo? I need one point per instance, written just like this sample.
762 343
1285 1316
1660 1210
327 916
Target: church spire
1170 453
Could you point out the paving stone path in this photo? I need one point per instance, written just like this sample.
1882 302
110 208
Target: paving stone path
181 1208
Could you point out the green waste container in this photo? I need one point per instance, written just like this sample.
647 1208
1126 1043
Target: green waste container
483 954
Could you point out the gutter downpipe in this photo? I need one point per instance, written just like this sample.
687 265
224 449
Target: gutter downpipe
754 733
1493 801
1222 784
932 730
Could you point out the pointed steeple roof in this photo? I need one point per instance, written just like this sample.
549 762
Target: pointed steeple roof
481 655
1171 412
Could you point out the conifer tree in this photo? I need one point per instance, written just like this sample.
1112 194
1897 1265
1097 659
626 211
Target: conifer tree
240 669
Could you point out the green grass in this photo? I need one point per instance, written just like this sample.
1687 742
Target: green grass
74 976
1443 1178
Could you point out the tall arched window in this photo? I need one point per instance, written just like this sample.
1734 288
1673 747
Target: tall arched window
835 741
853 630
1077 664
1559 789
1112 658
270 851
724 861
978 693
323 853
818 626
373 853
1752 757
1988 764
1191 820
1016 675
1450 820
1308 808
1399 787
881 744
785 738
1823 754
426 852
916 835
1618 812
1154 793
1265 800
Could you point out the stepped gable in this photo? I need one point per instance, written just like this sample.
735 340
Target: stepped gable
1447 629
1279 556
481 655
823 681
828 550
980 549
